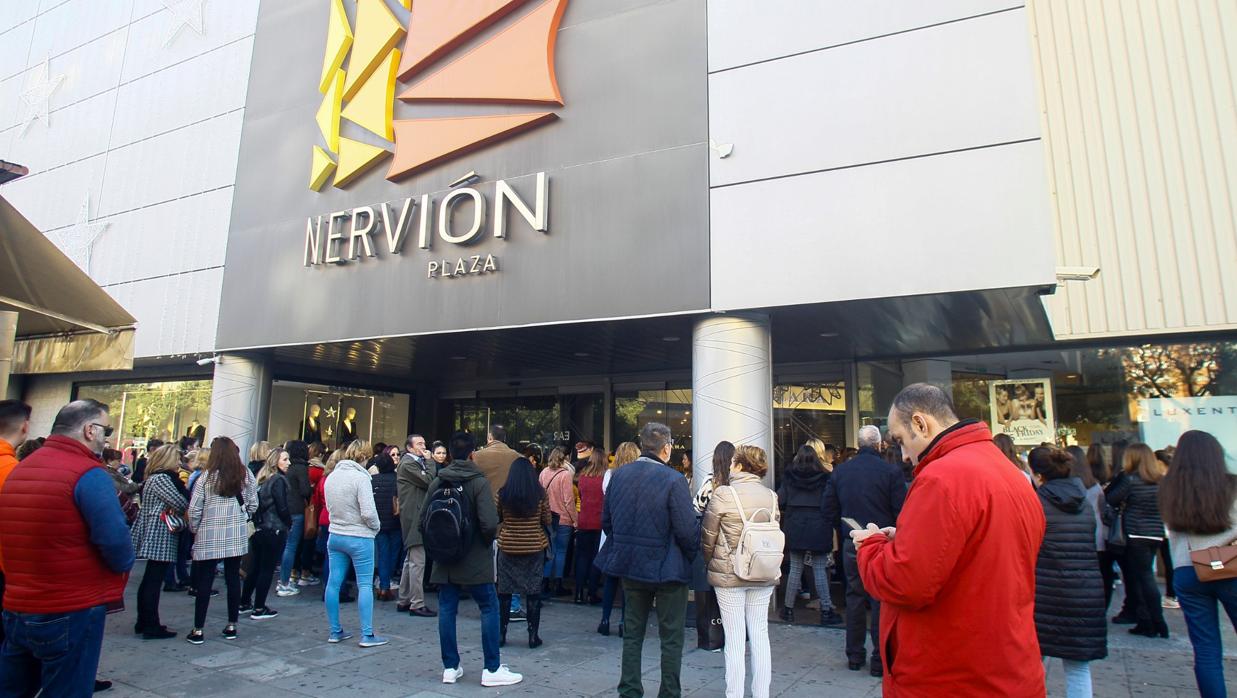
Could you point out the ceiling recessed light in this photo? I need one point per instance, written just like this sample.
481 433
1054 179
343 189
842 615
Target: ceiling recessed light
458 358
828 334
581 354
670 339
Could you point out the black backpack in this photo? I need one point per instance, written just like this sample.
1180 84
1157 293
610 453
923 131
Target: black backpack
447 523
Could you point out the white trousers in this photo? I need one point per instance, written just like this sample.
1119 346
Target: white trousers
745 611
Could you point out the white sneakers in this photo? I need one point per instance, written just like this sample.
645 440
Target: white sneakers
290 590
502 677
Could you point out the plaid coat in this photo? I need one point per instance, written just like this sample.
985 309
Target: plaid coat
218 523
151 538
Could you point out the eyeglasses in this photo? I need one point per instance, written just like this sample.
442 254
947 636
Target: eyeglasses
107 431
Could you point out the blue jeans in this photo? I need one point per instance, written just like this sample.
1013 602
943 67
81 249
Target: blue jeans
448 607
295 532
1200 603
388 545
358 551
555 564
57 652
1077 677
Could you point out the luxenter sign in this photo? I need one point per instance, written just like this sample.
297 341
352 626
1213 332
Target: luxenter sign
361 66
362 232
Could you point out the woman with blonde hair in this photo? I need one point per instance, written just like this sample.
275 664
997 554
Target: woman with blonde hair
258 453
824 453
354 525
162 491
271 521
1137 497
744 603
624 454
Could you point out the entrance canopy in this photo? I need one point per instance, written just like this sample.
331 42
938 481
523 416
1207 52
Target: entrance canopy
65 321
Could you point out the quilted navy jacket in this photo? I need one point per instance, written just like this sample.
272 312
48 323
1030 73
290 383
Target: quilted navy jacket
652 534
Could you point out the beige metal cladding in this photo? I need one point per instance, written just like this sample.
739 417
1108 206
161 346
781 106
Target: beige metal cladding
1139 101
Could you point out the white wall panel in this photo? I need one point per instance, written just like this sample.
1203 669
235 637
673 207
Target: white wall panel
14 13
223 23
76 22
78 131
87 70
964 221
186 161
170 238
14 47
52 199
745 31
175 314
182 94
46 395
942 88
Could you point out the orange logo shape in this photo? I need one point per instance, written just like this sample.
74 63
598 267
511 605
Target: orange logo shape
441 25
514 66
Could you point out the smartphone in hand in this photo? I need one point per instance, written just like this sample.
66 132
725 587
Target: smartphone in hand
852 523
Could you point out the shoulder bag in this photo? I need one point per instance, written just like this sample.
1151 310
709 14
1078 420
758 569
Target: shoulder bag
1215 563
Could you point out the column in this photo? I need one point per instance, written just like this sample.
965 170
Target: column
8 338
938 372
732 387
240 400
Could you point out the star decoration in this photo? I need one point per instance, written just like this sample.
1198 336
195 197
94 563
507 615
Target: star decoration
185 13
37 95
331 412
77 242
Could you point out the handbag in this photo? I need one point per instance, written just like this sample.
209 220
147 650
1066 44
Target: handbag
1215 563
311 521
1116 533
174 521
710 635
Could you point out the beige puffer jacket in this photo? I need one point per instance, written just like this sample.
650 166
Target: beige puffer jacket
721 518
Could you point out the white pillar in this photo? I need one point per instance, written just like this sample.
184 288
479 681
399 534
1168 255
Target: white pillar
732 387
8 340
240 399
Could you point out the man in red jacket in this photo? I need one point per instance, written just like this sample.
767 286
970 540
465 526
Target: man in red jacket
14 427
956 577
65 551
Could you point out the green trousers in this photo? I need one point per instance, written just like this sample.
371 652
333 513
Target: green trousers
671 604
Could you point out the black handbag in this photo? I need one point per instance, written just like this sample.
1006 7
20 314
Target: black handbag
1116 541
709 633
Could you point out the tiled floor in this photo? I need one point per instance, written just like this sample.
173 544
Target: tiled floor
288 656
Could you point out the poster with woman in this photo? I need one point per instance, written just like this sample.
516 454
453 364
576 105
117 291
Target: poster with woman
1023 409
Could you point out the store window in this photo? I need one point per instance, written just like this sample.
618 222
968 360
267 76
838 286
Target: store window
336 415
672 406
546 421
166 410
805 411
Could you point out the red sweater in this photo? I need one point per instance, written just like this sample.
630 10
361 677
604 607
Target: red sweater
51 564
957 582
591 500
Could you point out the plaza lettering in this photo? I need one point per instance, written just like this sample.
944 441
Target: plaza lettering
384 230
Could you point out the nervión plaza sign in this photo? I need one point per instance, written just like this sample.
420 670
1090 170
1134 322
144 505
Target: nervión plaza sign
514 66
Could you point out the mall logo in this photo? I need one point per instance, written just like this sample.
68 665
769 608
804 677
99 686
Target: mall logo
514 66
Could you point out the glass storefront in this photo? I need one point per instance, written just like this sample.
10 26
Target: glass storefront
544 420
166 410
805 411
336 415
671 406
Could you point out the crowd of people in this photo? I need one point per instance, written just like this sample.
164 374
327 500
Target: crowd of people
965 566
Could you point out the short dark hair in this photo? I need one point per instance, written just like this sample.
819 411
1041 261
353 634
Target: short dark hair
654 437
13 413
153 445
384 463
408 441
297 450
498 432
462 445
927 399
76 415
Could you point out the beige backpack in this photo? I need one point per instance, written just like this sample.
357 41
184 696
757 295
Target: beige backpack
758 556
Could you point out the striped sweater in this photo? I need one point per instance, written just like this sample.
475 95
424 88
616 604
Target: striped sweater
523 535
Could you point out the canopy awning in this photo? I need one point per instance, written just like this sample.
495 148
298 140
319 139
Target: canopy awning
65 321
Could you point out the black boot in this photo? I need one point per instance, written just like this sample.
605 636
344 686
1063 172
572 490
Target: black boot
534 622
504 617
559 589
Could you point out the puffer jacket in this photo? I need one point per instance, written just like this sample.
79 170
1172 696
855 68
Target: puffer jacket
1141 514
803 520
722 520
385 494
1069 593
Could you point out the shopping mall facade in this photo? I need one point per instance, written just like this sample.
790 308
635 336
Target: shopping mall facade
751 221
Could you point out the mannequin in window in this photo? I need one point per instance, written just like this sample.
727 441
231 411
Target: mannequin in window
197 432
311 430
347 427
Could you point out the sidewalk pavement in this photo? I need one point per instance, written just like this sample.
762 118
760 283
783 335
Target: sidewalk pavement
289 656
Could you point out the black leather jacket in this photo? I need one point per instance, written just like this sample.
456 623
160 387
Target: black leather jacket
273 513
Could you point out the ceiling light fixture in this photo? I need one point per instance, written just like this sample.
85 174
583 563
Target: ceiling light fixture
670 339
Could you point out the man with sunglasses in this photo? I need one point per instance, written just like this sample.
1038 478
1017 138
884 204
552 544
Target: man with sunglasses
65 552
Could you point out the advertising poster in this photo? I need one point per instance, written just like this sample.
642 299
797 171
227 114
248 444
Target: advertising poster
1163 420
1023 409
